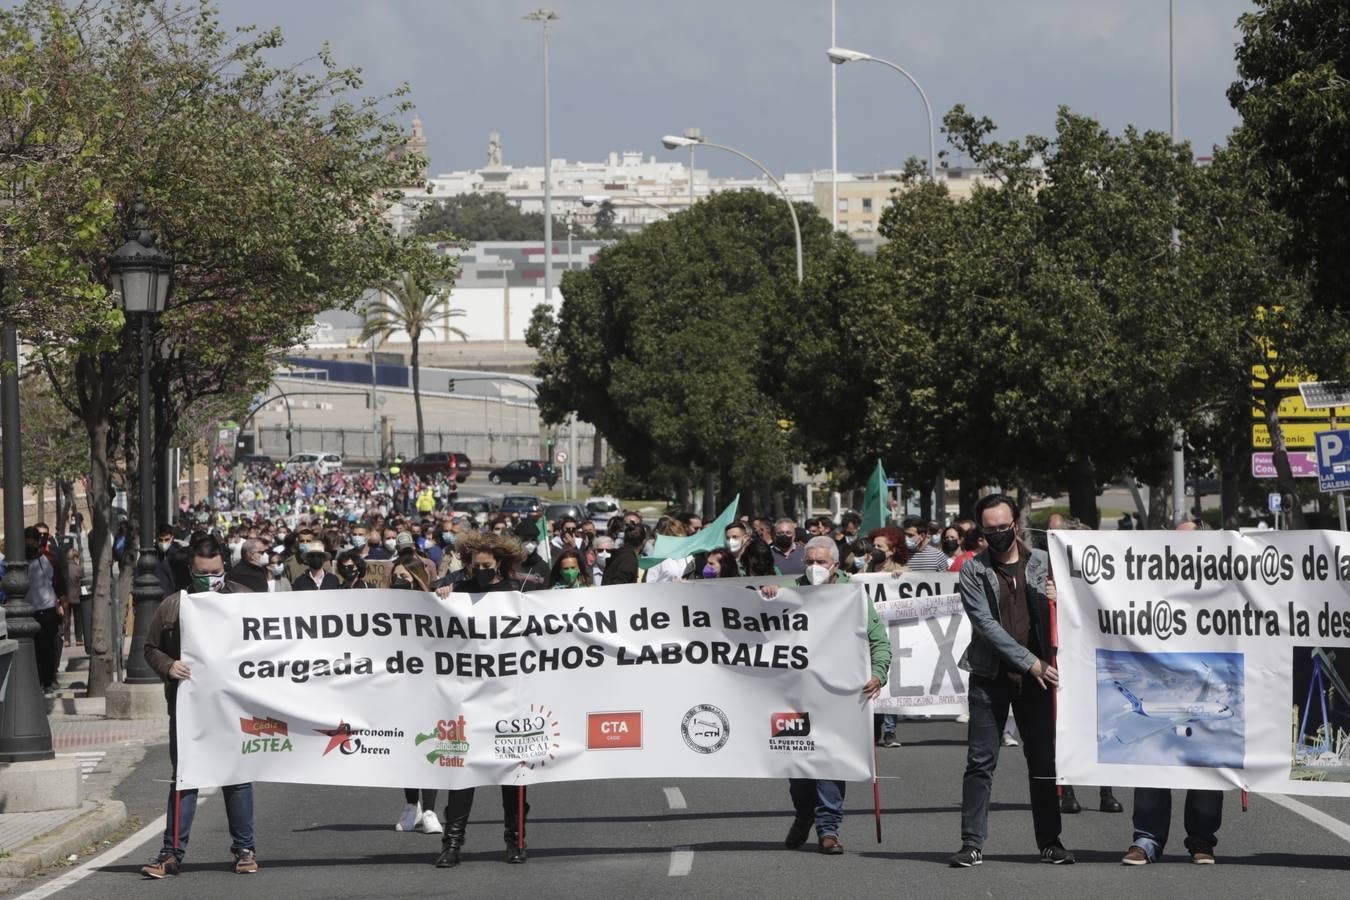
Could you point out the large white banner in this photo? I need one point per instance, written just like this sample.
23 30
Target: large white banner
1204 659
929 631
398 689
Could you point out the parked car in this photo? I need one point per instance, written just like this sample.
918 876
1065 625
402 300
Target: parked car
325 463
529 471
254 459
480 509
522 504
600 510
555 511
447 461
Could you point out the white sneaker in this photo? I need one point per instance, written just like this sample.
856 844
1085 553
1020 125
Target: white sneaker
963 718
1009 740
408 821
427 823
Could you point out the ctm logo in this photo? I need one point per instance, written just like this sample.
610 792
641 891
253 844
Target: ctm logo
789 724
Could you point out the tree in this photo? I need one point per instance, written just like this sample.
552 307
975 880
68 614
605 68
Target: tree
1294 99
487 217
414 310
268 184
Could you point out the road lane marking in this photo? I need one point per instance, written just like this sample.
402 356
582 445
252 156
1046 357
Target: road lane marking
79 873
681 861
1312 814
675 798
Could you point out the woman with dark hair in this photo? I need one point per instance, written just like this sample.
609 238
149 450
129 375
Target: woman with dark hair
569 571
972 542
720 564
351 571
492 560
888 550
758 560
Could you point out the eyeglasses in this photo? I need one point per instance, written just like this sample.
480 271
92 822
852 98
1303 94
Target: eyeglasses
998 529
569 531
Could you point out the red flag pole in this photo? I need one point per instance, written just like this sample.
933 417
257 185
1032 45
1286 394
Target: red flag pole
876 792
520 818
1052 599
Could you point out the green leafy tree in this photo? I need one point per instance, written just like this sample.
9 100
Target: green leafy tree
488 217
412 309
1293 94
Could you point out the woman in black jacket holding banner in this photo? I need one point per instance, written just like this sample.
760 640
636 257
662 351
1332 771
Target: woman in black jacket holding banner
491 557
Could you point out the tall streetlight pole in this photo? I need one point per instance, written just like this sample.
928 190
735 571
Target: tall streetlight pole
672 141
141 273
590 200
834 129
1178 435
839 56
694 135
544 16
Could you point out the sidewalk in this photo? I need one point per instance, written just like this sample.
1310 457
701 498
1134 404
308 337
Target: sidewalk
108 751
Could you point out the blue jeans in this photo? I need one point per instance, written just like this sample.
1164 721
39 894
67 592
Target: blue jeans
888 721
183 807
1153 819
819 799
1033 708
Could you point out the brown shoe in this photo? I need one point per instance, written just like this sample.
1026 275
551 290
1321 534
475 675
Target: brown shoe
1135 856
830 846
164 864
1203 856
245 862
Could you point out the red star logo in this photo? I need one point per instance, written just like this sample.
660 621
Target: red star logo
337 737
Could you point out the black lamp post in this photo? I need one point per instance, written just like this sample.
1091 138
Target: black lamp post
25 733
141 272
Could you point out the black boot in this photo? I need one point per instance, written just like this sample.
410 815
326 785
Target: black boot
514 831
1068 803
457 808
1109 802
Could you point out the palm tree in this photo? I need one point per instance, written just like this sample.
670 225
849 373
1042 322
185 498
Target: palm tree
408 306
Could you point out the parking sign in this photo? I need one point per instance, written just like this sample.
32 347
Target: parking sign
1333 460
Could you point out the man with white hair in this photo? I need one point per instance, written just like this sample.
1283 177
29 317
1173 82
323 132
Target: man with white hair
604 549
819 800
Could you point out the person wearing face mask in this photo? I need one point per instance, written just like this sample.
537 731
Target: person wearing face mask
569 571
315 577
923 556
737 538
171 570
604 551
533 571
888 553
821 801
490 557
296 564
453 528
276 570
419 810
351 571
360 541
387 545
674 568
251 570
720 564
788 555
46 596
206 568
950 544
972 542
623 565
1005 592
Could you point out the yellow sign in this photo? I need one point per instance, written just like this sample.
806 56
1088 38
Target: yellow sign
1297 435
1293 408
1259 377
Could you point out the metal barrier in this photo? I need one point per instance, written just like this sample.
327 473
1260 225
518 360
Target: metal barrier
360 445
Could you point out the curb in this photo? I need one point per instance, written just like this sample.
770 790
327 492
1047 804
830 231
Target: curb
72 837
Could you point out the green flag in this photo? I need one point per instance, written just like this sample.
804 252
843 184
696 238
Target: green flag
712 536
874 501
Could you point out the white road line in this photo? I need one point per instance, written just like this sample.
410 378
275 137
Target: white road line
154 830
681 861
1312 814
675 798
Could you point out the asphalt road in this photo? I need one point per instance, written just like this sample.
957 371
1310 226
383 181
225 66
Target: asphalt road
714 838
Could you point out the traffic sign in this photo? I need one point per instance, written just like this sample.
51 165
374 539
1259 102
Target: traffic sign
1297 435
560 456
1301 464
1294 407
1290 381
1333 460
1274 502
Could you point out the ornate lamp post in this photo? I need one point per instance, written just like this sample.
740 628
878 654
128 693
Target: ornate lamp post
141 272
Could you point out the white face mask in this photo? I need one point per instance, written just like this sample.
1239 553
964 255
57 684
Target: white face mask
164 546
390 545
602 558
817 574
529 546
734 545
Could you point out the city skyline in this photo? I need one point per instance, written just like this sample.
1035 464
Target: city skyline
749 75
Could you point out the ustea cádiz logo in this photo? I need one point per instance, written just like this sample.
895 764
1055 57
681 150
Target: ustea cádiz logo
706 729
530 736
268 735
614 731
791 731
351 741
450 743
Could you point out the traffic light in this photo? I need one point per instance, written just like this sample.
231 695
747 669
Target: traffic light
450 386
549 442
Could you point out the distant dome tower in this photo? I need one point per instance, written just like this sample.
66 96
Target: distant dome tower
418 144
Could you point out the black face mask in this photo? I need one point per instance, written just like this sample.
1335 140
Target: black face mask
315 561
401 584
782 541
483 577
878 556
950 544
348 573
1000 541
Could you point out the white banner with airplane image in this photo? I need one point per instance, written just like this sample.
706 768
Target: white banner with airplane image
1204 659
395 688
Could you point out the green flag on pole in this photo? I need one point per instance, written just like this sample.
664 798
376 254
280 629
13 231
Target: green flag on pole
874 500
712 536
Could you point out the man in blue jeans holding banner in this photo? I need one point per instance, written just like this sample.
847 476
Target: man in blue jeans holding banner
1153 815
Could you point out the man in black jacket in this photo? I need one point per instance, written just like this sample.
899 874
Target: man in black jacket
623 565
533 572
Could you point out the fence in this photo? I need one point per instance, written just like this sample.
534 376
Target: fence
361 445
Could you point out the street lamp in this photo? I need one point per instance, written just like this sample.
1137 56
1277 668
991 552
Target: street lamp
141 273
543 17
674 141
25 733
839 56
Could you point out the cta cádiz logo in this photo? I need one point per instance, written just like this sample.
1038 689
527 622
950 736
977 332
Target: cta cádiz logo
705 729
451 743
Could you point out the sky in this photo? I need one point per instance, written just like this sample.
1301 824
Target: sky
753 74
